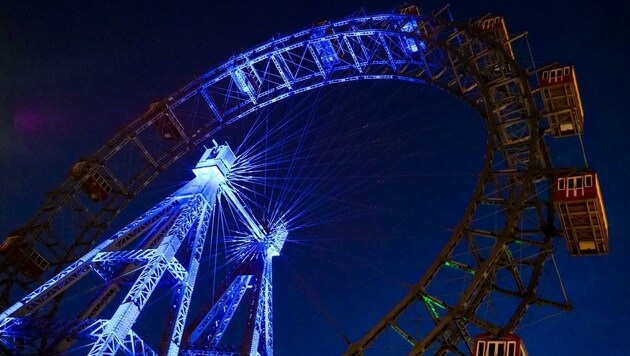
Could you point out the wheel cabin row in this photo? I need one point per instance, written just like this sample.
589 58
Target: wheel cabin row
20 252
246 78
578 202
329 51
490 345
562 105
577 197
93 183
495 28
561 99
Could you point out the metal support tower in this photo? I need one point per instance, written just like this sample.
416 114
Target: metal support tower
254 274
161 249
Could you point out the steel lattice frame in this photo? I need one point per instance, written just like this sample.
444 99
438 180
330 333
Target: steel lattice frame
169 246
433 50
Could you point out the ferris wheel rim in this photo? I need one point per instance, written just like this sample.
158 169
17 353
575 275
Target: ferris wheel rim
231 67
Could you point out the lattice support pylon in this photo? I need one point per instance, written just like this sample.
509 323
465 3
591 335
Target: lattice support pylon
160 235
254 273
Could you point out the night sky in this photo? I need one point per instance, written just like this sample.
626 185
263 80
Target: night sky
72 74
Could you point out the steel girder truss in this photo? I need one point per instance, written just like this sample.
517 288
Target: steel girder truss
214 319
499 248
368 47
181 219
504 256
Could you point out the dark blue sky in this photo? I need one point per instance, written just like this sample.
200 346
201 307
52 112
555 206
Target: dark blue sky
74 73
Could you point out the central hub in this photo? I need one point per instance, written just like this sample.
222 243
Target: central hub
216 161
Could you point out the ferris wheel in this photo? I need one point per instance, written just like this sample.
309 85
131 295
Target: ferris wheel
288 165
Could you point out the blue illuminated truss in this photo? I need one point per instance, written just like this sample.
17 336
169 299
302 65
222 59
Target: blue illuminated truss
181 220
